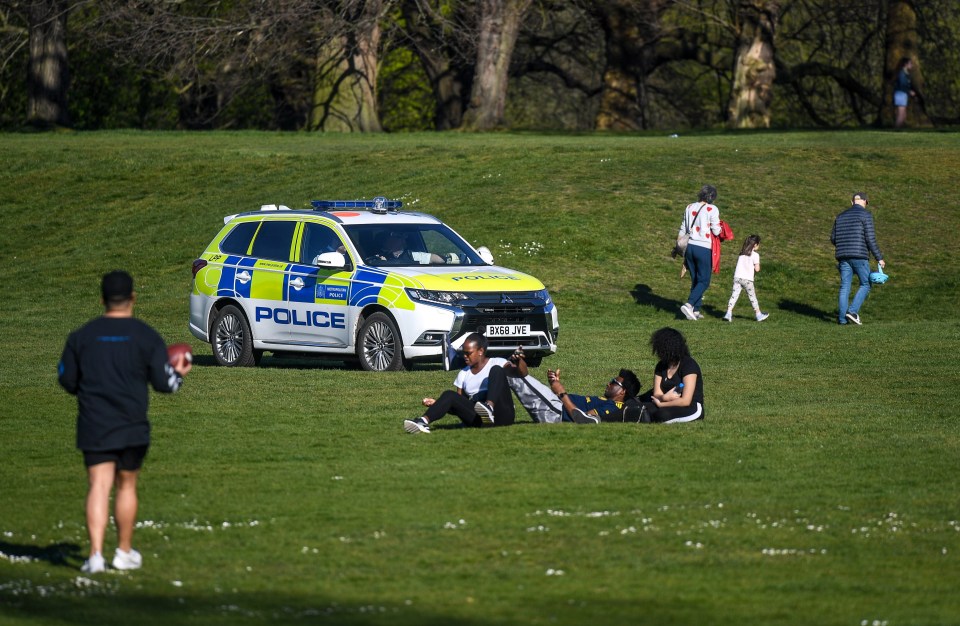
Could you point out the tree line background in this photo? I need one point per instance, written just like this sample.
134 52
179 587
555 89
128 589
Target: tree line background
397 65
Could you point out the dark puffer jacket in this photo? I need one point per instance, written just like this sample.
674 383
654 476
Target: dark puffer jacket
853 235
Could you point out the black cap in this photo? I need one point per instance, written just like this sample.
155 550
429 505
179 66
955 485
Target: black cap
861 195
117 285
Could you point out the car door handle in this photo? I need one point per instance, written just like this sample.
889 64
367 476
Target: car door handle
244 277
297 283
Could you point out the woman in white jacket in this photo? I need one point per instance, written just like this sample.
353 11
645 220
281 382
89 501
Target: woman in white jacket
702 220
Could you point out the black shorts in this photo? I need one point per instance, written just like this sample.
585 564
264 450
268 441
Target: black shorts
127 459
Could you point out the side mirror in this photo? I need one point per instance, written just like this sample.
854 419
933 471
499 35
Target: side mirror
485 254
330 259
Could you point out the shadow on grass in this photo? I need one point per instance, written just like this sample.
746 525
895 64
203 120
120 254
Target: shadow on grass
644 296
55 554
304 362
804 309
100 602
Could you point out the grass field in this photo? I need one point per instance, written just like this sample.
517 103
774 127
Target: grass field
821 488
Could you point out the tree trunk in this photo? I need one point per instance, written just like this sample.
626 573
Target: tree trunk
754 70
901 41
499 27
446 78
619 97
631 30
48 75
345 97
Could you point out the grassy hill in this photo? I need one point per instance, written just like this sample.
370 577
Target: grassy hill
820 488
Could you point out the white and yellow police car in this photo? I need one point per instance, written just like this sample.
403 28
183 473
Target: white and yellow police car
360 280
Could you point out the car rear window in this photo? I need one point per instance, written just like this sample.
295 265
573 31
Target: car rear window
238 241
273 240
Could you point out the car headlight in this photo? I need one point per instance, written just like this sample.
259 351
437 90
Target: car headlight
440 297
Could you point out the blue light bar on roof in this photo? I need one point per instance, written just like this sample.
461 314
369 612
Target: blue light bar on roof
377 205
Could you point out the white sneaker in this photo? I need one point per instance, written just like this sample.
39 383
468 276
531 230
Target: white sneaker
729 316
484 412
688 311
416 426
94 565
762 316
127 560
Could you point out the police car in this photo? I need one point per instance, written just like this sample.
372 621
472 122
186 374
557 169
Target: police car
360 280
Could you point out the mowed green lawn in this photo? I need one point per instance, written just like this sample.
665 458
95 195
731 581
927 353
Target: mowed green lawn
821 488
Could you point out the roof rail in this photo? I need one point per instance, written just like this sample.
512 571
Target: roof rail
377 205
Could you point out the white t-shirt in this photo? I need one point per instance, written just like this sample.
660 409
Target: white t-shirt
471 383
746 266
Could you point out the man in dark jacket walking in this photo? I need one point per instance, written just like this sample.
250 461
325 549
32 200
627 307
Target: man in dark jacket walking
108 364
854 238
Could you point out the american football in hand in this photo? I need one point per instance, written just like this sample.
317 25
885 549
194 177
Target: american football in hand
179 353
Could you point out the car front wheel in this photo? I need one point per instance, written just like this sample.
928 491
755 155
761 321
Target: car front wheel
232 340
379 346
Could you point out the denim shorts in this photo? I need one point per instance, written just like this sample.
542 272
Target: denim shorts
900 98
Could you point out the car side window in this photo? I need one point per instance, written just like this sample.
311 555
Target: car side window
317 239
238 241
273 240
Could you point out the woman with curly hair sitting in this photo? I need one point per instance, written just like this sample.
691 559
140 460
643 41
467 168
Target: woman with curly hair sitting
677 394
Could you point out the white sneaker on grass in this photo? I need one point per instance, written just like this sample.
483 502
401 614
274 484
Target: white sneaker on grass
762 316
416 426
484 411
853 317
94 565
127 560
688 311
728 316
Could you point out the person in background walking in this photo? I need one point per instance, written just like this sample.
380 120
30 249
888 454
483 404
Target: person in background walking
853 236
902 90
748 263
702 219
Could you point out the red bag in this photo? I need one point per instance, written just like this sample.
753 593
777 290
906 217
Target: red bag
726 234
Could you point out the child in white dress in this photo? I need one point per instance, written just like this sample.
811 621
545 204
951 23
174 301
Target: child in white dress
748 263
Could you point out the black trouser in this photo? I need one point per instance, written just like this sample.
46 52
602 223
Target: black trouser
452 403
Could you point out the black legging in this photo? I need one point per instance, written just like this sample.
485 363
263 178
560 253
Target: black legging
453 403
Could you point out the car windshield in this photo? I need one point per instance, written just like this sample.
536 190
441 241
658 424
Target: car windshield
411 244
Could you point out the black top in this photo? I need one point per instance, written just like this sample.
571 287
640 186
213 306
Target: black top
902 82
607 410
107 364
687 366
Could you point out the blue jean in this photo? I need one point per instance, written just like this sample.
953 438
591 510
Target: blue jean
849 267
699 261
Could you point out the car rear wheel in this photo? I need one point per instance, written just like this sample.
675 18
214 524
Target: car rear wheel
379 347
232 340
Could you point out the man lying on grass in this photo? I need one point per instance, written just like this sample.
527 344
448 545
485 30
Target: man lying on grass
553 404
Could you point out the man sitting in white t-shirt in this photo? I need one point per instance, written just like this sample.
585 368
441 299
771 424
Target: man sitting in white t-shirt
482 394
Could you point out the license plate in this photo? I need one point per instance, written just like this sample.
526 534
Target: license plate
508 330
